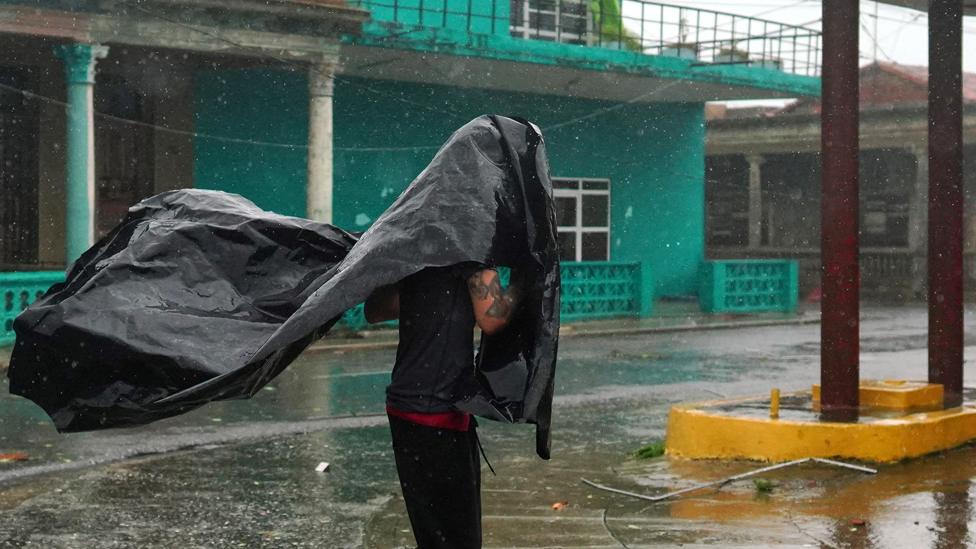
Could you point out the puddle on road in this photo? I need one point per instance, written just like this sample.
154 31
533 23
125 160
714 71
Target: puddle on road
922 503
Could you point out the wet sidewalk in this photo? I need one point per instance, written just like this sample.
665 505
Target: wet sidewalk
669 316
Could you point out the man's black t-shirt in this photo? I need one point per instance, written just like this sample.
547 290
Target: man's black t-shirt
435 356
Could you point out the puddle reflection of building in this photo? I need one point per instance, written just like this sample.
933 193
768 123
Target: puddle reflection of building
847 535
953 511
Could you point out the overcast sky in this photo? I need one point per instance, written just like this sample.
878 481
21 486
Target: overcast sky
902 33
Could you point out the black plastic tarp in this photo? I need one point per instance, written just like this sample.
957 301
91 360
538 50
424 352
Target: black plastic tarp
199 295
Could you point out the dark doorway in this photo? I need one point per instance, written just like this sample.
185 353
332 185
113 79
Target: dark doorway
18 172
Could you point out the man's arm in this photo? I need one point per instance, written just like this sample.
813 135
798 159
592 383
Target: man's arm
493 306
383 305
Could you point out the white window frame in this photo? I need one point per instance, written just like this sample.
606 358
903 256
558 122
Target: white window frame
525 29
578 193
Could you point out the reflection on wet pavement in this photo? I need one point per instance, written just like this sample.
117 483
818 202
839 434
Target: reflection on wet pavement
330 384
242 473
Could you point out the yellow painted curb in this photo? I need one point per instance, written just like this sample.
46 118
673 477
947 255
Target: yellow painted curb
895 394
697 433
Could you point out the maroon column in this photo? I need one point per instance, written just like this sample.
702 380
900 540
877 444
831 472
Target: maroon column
945 198
840 280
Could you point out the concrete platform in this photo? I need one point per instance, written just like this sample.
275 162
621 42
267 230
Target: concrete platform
909 423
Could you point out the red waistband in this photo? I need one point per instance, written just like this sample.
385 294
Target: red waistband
453 420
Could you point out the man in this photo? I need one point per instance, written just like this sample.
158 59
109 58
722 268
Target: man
434 444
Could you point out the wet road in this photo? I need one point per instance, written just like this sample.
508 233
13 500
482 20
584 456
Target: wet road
241 473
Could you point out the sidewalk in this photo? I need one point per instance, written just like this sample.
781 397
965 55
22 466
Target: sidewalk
668 317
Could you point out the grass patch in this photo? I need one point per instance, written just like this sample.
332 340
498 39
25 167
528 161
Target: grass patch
763 486
652 450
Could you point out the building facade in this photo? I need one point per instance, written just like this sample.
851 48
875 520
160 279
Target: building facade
763 182
329 108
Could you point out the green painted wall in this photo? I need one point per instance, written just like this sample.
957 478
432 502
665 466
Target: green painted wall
257 105
653 155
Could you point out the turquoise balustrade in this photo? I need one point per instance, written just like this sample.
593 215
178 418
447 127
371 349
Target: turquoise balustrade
590 290
749 286
17 291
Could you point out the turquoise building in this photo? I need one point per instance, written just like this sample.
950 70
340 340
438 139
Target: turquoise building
329 109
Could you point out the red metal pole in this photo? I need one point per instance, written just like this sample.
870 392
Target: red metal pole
840 328
945 198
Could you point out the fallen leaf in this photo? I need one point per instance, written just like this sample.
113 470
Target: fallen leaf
559 505
14 456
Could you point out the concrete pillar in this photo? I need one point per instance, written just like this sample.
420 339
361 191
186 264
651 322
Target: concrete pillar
918 220
319 184
755 200
79 68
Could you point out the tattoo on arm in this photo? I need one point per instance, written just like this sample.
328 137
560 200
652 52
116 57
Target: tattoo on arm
503 301
478 287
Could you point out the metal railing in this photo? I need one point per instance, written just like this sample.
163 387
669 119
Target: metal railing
650 28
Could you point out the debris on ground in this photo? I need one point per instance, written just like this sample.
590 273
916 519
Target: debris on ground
860 522
652 450
14 456
763 486
559 505
322 467
722 482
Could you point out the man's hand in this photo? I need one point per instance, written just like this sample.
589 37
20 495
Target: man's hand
493 306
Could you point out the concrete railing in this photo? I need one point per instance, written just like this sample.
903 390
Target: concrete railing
590 290
749 286
17 291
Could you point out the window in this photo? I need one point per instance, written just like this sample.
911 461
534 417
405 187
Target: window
18 173
887 181
583 218
553 20
727 200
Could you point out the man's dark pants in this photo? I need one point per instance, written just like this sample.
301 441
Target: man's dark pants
440 474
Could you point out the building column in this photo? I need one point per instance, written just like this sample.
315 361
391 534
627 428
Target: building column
918 220
79 68
755 200
945 292
840 325
319 184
